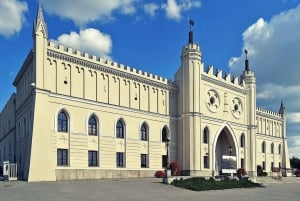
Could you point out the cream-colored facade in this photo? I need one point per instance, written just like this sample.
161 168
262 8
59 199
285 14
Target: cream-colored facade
76 116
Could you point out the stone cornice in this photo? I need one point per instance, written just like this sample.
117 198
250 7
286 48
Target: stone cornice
102 68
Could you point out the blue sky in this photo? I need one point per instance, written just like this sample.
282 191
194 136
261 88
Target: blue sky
149 35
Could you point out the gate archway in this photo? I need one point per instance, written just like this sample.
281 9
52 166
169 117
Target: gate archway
225 144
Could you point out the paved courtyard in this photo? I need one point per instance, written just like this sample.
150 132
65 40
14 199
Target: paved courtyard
138 190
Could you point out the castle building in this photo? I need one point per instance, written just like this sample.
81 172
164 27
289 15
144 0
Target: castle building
77 116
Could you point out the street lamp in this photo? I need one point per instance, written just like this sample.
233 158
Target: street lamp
167 145
230 150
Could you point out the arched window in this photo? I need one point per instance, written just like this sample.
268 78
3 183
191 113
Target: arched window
120 129
272 148
92 125
62 122
164 135
243 140
263 147
206 135
144 132
279 149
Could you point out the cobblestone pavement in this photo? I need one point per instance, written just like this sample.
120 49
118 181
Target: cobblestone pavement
145 189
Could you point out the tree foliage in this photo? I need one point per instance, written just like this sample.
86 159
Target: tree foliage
295 162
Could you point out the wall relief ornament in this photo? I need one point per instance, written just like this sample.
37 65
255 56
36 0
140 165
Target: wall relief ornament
236 107
212 100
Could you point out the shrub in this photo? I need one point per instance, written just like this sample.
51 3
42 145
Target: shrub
201 184
175 170
241 171
159 174
297 173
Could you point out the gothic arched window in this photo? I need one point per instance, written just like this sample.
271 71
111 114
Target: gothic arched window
62 122
206 135
120 129
93 125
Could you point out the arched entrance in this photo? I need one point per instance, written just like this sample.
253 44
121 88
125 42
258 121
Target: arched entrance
225 147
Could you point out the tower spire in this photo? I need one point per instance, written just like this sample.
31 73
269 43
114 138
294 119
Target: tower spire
39 23
282 109
191 40
246 60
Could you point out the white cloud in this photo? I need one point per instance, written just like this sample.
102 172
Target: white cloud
89 40
273 48
151 8
12 16
83 12
174 9
293 117
294 146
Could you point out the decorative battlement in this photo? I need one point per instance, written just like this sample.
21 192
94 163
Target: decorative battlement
268 112
191 46
67 51
227 78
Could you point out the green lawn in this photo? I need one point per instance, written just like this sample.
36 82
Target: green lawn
201 184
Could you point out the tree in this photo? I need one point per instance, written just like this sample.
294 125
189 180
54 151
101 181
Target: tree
295 162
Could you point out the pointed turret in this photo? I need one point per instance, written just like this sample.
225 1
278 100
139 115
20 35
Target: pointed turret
246 61
40 25
282 109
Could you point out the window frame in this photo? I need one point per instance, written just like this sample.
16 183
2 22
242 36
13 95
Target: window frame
120 158
206 135
92 158
165 135
120 129
272 148
144 132
62 123
93 126
144 161
243 140
62 157
263 147
206 162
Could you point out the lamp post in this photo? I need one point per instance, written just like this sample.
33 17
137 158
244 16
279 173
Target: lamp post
167 145
230 150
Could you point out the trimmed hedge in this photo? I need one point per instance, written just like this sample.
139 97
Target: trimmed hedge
201 184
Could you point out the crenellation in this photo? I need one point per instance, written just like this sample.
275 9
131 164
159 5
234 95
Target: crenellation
61 47
77 52
104 61
210 70
235 80
51 44
269 112
86 55
70 50
94 58
228 77
219 73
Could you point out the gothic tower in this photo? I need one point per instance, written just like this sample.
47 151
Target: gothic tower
188 81
250 85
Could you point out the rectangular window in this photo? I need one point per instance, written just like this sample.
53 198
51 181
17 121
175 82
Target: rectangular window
62 157
242 163
264 165
205 162
120 159
272 165
144 160
164 161
93 158
279 165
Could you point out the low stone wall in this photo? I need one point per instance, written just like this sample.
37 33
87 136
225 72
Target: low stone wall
77 174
